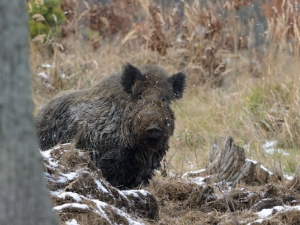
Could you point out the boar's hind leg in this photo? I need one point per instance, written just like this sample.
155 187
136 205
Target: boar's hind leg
120 169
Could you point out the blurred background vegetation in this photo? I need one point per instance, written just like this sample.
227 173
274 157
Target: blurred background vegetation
242 58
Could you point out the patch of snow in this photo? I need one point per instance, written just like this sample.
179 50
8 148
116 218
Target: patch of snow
269 148
179 40
127 217
102 205
47 155
249 160
265 213
65 144
135 193
265 169
269 144
193 172
81 154
70 176
43 75
55 193
47 65
198 180
123 194
61 180
56 147
100 186
286 207
261 166
63 76
256 221
75 196
131 192
73 205
250 194
64 177
288 177
172 175
143 192
49 86
72 222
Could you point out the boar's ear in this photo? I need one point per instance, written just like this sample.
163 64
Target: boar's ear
129 76
178 82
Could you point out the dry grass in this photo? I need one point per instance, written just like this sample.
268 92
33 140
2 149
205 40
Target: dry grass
186 203
254 100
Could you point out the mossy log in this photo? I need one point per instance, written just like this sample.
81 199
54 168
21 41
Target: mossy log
230 164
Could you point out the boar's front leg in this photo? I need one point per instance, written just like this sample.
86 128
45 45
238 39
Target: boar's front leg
119 167
149 172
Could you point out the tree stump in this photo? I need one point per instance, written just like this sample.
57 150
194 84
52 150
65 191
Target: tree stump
230 164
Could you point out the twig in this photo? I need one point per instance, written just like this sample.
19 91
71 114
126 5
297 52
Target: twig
234 221
69 185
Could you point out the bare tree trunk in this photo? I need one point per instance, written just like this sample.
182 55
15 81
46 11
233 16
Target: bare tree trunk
24 198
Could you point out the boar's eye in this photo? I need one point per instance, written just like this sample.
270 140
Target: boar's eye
164 98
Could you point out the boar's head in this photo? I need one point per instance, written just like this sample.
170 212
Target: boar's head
149 118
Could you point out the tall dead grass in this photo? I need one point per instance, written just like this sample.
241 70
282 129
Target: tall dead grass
235 87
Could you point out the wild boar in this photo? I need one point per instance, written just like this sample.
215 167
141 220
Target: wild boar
124 122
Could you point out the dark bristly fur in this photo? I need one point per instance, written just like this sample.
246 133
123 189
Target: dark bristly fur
125 122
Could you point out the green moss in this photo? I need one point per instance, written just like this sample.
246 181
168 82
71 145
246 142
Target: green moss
53 16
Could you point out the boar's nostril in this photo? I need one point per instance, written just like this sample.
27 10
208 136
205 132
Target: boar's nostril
153 131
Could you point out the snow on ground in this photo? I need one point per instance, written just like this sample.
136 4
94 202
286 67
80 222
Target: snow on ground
72 222
265 214
47 156
43 75
269 148
196 177
101 207
63 195
46 65
196 172
70 205
261 166
135 193
198 180
77 187
101 187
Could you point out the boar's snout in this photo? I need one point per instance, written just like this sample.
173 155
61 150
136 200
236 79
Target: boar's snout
153 131
152 127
